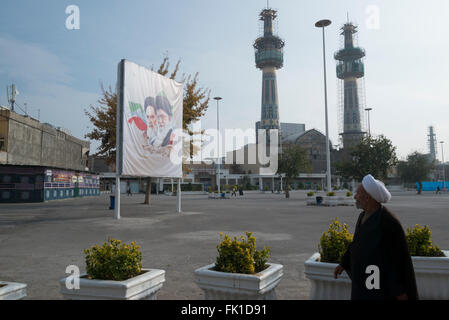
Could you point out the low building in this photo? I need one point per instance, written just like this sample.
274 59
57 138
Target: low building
39 162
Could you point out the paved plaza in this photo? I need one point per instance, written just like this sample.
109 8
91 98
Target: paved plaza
38 241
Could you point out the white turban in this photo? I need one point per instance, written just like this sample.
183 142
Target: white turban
376 189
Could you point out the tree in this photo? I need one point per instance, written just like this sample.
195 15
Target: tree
415 169
103 117
292 161
373 155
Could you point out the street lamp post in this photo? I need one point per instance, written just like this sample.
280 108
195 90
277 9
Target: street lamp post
321 24
369 124
218 144
444 170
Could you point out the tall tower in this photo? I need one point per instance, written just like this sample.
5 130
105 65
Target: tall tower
350 69
432 142
269 58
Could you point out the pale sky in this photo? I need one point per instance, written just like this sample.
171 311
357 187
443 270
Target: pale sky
406 68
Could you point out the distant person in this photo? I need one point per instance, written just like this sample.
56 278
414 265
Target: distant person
379 241
234 191
129 191
438 190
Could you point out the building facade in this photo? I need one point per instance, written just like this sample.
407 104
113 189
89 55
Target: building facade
39 162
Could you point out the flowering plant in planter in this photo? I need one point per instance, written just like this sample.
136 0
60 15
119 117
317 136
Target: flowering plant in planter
114 260
335 242
240 271
331 199
431 265
319 268
419 243
114 271
311 200
349 194
236 256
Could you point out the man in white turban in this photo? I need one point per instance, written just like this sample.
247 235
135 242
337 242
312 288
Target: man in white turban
378 260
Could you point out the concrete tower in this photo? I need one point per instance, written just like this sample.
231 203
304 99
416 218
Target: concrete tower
269 58
350 69
432 142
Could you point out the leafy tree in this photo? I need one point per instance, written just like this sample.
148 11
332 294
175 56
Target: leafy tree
373 155
103 117
415 169
292 161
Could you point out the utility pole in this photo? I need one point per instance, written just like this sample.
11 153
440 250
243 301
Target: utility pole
321 24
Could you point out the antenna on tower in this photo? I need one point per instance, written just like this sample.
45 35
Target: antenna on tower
347 16
11 97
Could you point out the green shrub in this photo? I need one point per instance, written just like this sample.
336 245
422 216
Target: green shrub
113 261
318 188
236 256
310 194
331 194
209 189
349 194
419 243
335 242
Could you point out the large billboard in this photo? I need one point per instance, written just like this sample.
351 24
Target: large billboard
149 118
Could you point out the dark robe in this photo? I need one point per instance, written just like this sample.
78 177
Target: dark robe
380 241
166 141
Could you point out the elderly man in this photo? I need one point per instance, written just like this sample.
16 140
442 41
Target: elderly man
150 112
379 250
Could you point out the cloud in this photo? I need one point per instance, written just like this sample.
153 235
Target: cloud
31 62
44 82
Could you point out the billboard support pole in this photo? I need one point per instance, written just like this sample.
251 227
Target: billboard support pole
178 194
119 136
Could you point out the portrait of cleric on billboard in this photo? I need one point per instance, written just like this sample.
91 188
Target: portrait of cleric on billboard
152 123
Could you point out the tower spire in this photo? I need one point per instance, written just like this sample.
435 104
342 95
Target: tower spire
350 68
269 57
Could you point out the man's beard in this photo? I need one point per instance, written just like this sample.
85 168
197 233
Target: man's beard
161 133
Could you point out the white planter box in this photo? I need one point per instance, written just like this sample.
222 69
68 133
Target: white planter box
144 286
331 201
235 286
432 277
12 290
324 286
431 273
349 201
311 201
